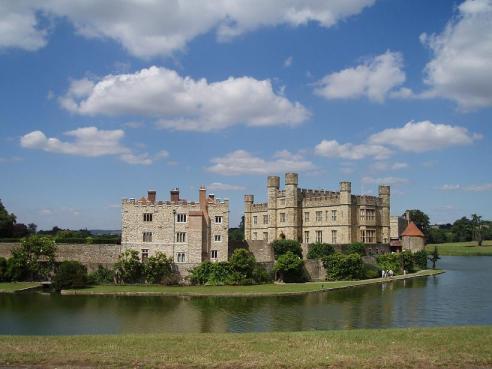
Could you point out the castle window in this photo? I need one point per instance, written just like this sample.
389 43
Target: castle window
282 217
255 219
181 218
218 219
334 237
306 216
306 236
213 254
319 236
145 254
334 215
368 235
265 236
147 217
370 214
147 237
255 235
362 214
181 257
319 216
265 219
282 201
181 237
217 238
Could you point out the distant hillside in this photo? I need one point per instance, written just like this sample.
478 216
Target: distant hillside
97 232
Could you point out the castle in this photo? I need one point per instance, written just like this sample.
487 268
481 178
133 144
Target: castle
317 215
189 232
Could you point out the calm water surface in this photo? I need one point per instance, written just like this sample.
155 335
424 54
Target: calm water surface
463 295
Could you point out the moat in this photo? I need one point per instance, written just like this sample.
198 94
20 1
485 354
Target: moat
461 296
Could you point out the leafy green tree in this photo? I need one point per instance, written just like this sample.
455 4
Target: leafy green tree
19 230
158 269
319 250
32 228
356 248
102 275
70 274
407 261
437 235
344 267
282 246
3 269
289 267
7 222
462 230
243 262
237 234
128 268
421 220
420 258
434 257
477 227
389 262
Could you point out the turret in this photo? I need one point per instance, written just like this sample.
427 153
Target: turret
273 185
248 203
345 216
384 196
291 206
345 193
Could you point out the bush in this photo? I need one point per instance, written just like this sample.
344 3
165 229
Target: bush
214 274
290 267
260 274
420 259
319 250
371 271
356 248
281 247
343 267
128 268
389 262
407 261
243 262
70 274
101 276
3 269
158 269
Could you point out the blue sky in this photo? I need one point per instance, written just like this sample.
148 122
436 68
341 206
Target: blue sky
104 100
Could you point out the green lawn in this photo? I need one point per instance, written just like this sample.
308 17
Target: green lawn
263 289
15 286
430 348
462 249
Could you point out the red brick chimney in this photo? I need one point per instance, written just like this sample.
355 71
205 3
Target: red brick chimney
203 198
175 194
151 196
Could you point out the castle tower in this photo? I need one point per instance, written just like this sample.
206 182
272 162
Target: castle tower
349 231
384 196
291 207
248 204
273 185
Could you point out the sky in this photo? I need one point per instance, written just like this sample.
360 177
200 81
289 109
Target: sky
101 101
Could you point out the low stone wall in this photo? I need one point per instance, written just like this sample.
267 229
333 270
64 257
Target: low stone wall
315 270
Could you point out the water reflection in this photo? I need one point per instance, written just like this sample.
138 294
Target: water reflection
458 297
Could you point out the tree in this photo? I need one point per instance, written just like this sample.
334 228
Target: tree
343 267
421 220
7 222
70 274
319 250
243 262
158 269
282 246
289 266
462 230
477 225
434 257
356 248
420 258
128 268
32 228
19 230
237 234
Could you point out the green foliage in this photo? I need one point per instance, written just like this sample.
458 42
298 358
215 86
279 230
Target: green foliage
7 222
243 262
371 271
213 274
289 266
420 259
3 269
356 248
343 267
70 274
128 268
406 261
319 250
434 257
389 262
101 276
237 234
462 230
282 246
158 269
261 275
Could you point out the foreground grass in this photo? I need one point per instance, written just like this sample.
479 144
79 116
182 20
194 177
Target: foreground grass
16 286
254 290
462 248
452 347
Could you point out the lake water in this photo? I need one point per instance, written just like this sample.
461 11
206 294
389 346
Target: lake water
463 295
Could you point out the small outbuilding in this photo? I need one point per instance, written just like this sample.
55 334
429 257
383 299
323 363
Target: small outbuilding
412 238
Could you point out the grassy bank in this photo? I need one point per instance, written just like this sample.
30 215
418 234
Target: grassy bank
453 347
11 287
254 290
462 249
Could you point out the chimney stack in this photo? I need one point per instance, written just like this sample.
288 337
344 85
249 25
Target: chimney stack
151 196
203 197
211 196
175 195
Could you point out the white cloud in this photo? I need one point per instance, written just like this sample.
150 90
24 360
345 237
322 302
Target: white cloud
384 180
387 166
151 28
424 136
242 162
219 186
332 149
183 103
467 188
288 62
87 141
373 79
461 68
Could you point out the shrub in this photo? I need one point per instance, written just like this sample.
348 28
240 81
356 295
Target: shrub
290 267
407 261
343 267
389 262
243 262
101 276
128 268
260 274
158 269
420 259
282 246
319 250
356 248
3 269
214 274
70 274
371 271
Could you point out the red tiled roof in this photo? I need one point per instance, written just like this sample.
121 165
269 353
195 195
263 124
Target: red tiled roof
412 230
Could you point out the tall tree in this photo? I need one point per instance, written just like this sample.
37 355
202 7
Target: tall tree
462 230
421 220
7 222
477 225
